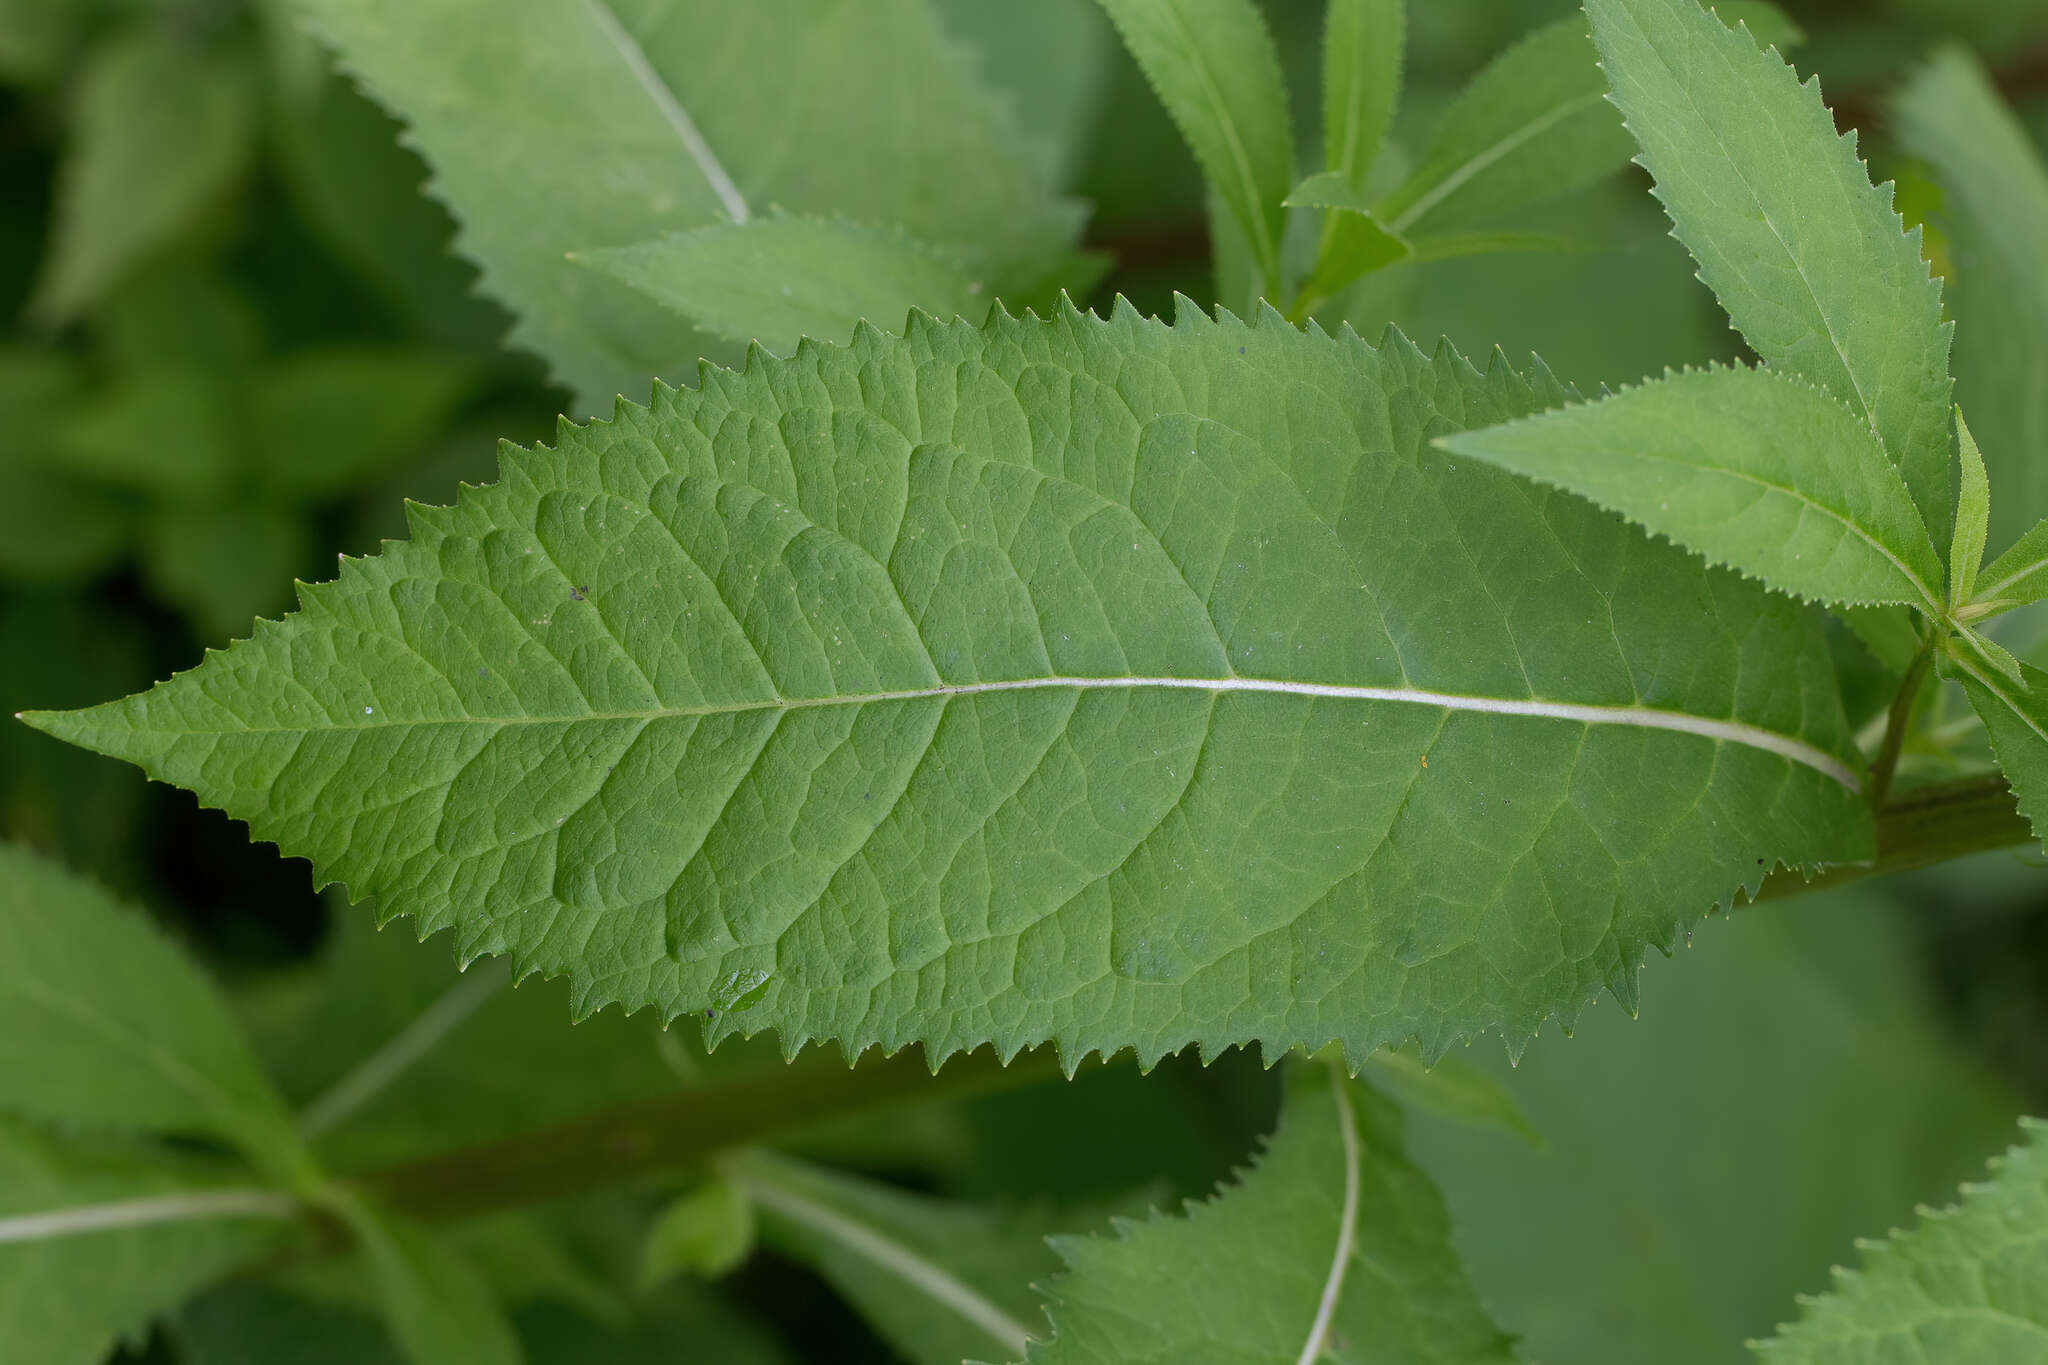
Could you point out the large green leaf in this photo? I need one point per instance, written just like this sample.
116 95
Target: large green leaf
162 127
1994 212
104 1021
1752 468
1790 1085
1808 258
942 1282
1969 1286
1334 1247
580 125
1213 65
1101 681
1052 57
2015 715
96 1238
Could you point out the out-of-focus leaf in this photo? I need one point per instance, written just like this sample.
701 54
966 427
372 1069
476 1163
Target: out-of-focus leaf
1994 212
627 125
940 1281
681 1318
38 37
1453 1089
705 1232
224 564
1213 65
253 1323
103 1020
53 528
161 128
320 421
68 1296
358 190
1052 57
1788 1087
779 278
162 431
1362 50
179 308
1332 1247
1968 1286
436 1304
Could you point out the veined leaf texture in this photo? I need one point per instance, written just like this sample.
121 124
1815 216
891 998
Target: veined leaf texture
1102 681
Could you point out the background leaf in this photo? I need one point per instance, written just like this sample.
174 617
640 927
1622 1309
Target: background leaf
1965 1286
629 125
436 1305
973 592
163 126
1742 152
1362 51
1332 1247
1994 215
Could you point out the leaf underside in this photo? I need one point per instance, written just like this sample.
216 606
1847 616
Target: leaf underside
1109 682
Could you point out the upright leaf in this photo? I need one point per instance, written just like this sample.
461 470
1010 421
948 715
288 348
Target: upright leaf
1753 469
1969 1286
779 279
1141 683
1213 64
1532 125
1333 1247
97 1238
2015 715
53 528
1994 212
1807 257
2020 575
1973 517
161 128
1362 51
939 1281
104 1021
587 125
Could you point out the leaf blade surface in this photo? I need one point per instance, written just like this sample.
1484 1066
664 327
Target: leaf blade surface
781 698
1809 260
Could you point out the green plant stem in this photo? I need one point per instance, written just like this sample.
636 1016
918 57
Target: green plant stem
1895 723
633 1141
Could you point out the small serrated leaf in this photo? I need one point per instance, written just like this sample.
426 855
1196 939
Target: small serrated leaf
1751 468
1973 519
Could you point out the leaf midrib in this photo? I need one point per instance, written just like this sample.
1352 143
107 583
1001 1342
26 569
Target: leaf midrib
1464 172
671 110
1684 722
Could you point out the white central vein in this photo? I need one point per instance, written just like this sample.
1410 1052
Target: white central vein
922 1275
1643 717
1347 1228
399 1052
132 1213
665 102
1990 593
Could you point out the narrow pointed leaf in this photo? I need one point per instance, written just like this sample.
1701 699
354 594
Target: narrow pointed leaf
1994 212
778 279
98 1238
104 1021
940 1281
1752 469
2020 575
1333 1247
2015 715
1362 52
1110 682
1973 518
1968 1286
1532 125
1213 65
592 123
1808 258
1354 242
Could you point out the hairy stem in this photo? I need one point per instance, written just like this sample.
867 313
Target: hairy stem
1895 723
